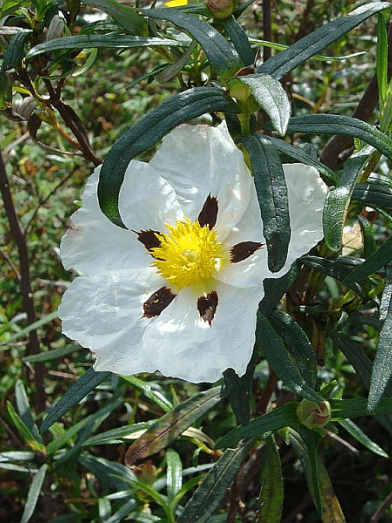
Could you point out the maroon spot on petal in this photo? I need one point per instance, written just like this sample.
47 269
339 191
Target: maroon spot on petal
158 302
148 239
209 212
243 250
206 305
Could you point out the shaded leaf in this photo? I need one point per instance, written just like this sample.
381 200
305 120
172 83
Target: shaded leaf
125 16
239 391
239 39
24 410
23 429
360 436
214 487
280 360
172 424
74 394
271 496
285 416
271 190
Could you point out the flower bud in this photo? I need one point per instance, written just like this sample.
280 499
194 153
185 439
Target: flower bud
221 8
314 415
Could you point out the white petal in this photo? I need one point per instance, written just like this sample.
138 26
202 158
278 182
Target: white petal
202 160
187 347
104 313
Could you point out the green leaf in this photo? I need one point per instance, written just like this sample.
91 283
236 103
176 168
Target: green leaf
280 360
13 55
338 200
74 394
32 496
122 512
239 39
275 288
23 429
24 410
172 424
147 132
382 365
221 55
239 391
270 96
313 43
150 392
213 489
360 436
173 473
271 190
341 125
116 436
355 408
115 40
125 16
285 416
376 195
328 175
374 263
271 496
369 241
108 472
298 343
382 57
33 326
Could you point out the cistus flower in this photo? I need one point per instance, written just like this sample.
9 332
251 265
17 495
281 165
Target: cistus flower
177 292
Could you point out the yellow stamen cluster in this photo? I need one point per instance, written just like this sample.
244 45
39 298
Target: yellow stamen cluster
189 255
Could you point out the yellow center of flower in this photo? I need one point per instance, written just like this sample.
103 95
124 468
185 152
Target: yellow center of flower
189 255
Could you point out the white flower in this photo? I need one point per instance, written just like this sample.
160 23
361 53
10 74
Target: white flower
178 291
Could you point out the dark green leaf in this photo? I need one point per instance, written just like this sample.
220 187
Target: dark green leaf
270 96
239 39
74 394
382 56
239 391
280 360
125 16
329 176
360 436
97 41
271 496
279 418
338 200
272 195
375 262
13 55
108 472
213 489
147 132
376 195
369 241
172 424
313 43
221 55
275 288
355 408
32 496
342 125
24 410
298 343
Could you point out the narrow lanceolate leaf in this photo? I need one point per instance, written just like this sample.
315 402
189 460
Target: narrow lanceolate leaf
221 55
280 360
272 195
119 41
23 430
24 410
310 45
270 96
239 391
360 436
173 473
171 425
14 53
376 195
270 499
342 125
382 365
381 257
32 496
279 418
328 175
214 488
369 241
147 132
239 39
338 200
382 57
125 16
355 408
299 344
74 394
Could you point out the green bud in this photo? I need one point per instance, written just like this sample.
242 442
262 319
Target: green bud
314 415
221 8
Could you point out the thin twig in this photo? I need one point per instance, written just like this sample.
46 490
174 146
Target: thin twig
267 32
381 509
